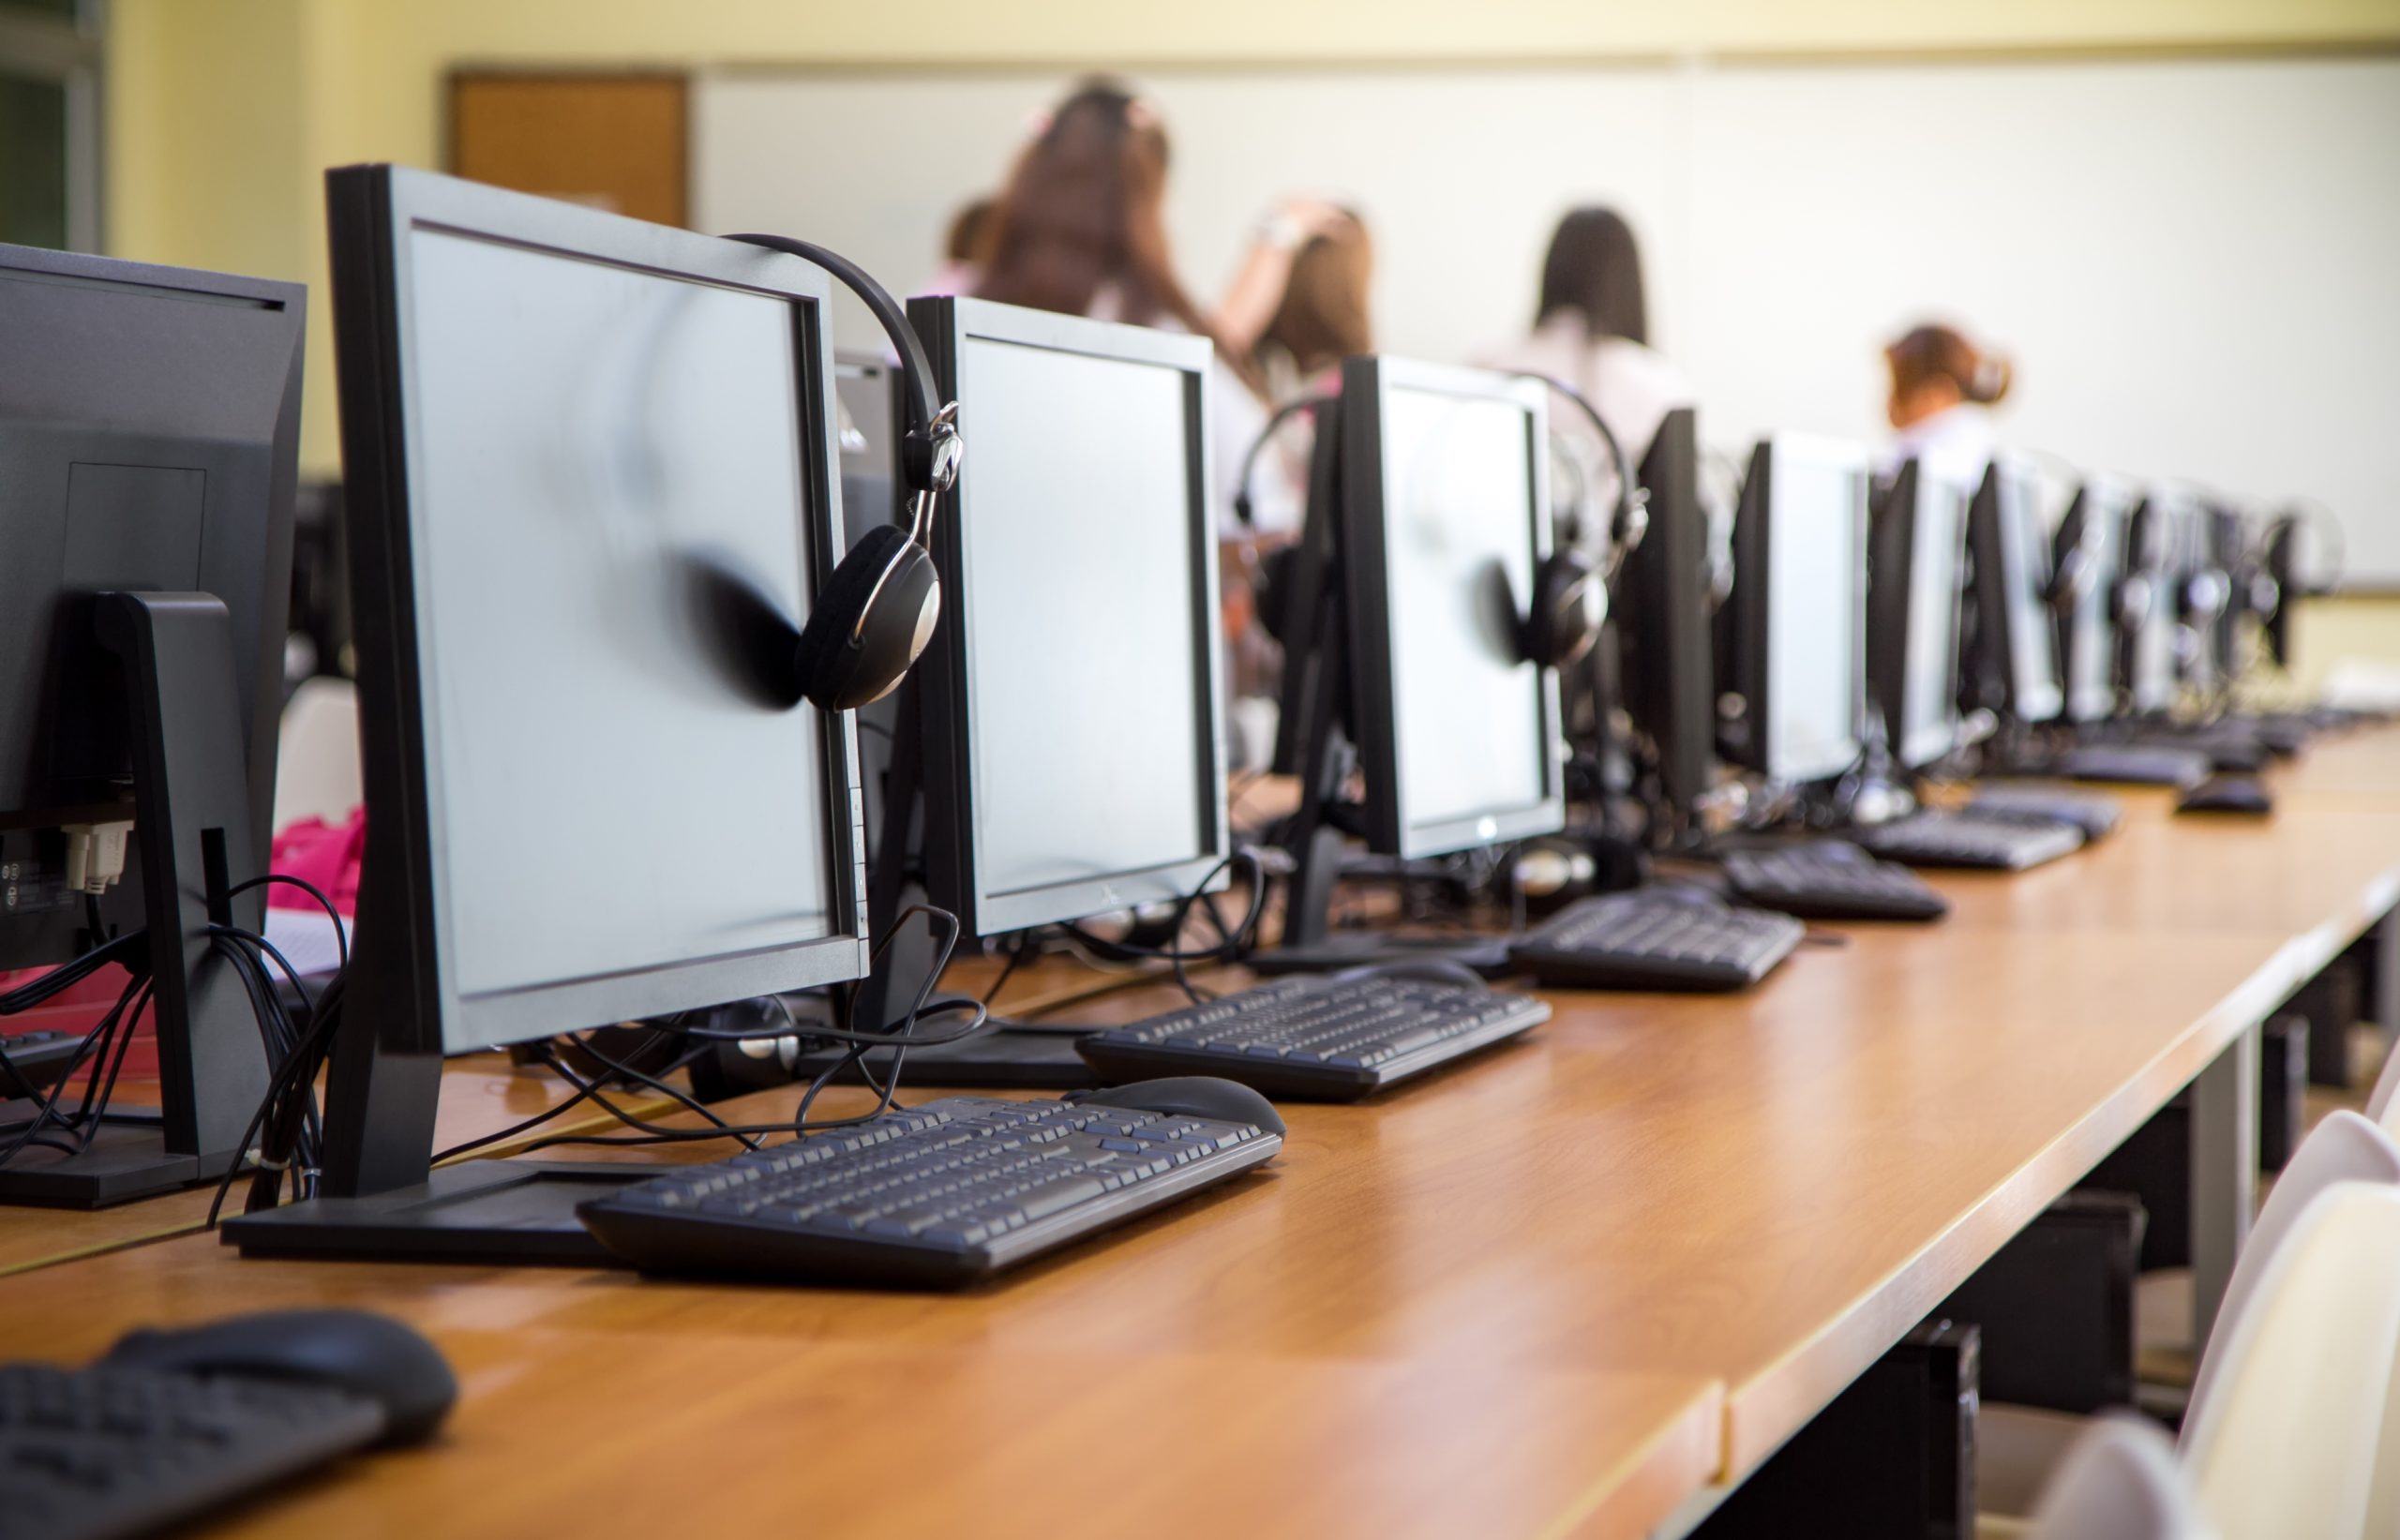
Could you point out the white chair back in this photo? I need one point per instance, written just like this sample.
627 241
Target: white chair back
2288 1443
2119 1482
2344 1147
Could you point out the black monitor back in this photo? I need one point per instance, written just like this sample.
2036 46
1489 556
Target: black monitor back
149 440
1669 677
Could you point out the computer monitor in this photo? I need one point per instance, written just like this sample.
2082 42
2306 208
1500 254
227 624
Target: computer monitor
1798 628
1916 555
149 433
1445 520
2146 607
1073 719
1667 672
2225 545
867 391
593 473
2015 648
2087 552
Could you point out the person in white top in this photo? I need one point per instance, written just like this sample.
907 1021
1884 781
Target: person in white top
1592 331
1944 388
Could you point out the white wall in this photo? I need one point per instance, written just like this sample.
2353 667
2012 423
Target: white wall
2192 259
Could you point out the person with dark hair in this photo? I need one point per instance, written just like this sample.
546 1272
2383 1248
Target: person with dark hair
1080 229
1942 388
1592 329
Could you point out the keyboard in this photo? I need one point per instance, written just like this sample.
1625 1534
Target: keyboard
96 1453
938 1195
36 1061
1831 881
1938 839
1319 1038
1652 940
2136 764
2097 816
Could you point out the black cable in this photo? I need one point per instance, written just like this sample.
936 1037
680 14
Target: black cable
1230 948
342 927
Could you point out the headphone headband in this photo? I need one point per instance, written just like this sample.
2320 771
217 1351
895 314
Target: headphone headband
931 451
1632 520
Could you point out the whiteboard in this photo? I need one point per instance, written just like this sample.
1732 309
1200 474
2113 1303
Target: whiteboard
2194 262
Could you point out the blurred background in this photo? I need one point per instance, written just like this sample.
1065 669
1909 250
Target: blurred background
2177 219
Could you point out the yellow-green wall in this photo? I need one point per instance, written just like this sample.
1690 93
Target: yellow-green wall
222 113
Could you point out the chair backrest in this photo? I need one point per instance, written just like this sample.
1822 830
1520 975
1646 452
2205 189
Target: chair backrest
2386 1090
2344 1147
2119 1481
316 771
2288 1445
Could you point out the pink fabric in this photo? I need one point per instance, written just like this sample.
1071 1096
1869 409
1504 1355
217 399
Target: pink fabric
323 854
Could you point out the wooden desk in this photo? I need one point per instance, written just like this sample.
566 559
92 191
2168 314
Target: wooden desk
1557 1288
480 1095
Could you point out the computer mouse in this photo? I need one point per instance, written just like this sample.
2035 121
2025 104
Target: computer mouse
367 1356
2237 793
1193 1096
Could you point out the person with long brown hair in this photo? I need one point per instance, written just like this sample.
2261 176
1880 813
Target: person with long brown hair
1301 302
1081 229
1942 389
1592 329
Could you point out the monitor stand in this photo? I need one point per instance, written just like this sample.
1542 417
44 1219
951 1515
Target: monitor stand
1317 702
192 810
1003 1056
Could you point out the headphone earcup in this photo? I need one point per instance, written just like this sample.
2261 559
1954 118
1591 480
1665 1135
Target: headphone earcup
1272 593
1570 605
872 618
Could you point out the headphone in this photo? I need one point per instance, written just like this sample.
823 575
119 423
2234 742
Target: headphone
1572 595
875 615
1569 600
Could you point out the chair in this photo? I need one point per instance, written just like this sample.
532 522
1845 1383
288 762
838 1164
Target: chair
316 771
2297 1437
2020 1449
2119 1482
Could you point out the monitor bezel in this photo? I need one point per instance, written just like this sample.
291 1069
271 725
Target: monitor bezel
1365 467
947 709
402 946
1753 618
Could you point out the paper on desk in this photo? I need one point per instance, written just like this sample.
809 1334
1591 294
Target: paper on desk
306 937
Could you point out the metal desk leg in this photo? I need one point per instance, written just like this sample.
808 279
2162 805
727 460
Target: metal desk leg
2384 1008
2224 1170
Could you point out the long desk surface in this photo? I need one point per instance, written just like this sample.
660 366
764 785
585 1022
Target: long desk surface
1557 1289
482 1094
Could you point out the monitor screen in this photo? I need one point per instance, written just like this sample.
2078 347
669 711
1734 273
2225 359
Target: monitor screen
1446 521
617 481
1928 727
1076 718
1805 606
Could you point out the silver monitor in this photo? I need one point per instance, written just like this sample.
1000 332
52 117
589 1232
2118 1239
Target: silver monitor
606 484
1800 617
1446 518
1074 729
